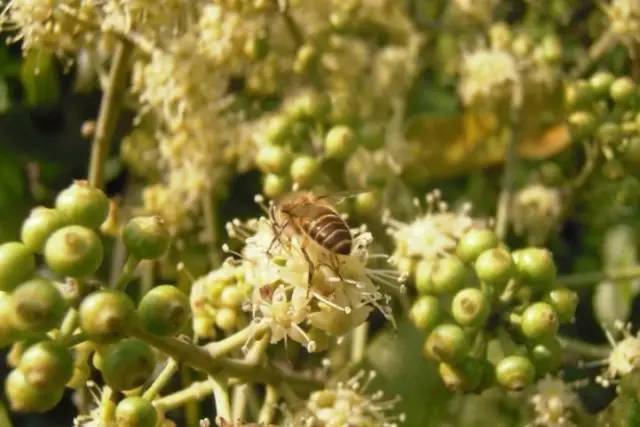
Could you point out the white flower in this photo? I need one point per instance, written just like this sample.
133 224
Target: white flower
624 357
431 235
348 404
488 75
624 19
554 403
301 289
536 212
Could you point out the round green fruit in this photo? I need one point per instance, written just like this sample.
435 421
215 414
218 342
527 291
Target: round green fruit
495 267
105 314
17 264
470 307
135 411
127 364
515 372
164 310
474 242
83 204
74 251
446 343
47 364
539 320
38 306
146 237
39 225
25 397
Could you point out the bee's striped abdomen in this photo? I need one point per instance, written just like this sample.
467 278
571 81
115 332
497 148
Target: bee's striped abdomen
329 230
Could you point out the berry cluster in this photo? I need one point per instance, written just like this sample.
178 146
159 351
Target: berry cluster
604 110
55 326
491 314
307 142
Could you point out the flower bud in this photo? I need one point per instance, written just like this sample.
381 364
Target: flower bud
164 310
226 318
83 204
339 142
366 204
446 343
8 331
127 364
105 314
38 306
423 277
470 307
17 264
74 251
515 372
631 153
448 275
37 228
146 237
564 301
425 312
135 411
539 320
495 267
273 159
609 133
47 365
304 170
535 267
278 129
25 397
579 94
474 242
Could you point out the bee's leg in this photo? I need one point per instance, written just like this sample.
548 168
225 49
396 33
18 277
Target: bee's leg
278 230
311 266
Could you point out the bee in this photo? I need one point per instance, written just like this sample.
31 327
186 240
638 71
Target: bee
313 217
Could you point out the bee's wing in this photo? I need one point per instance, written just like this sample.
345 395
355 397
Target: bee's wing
340 196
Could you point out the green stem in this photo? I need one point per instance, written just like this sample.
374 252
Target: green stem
268 409
239 399
161 380
597 49
69 324
128 271
503 210
107 407
196 391
110 108
221 397
584 349
209 211
76 339
233 342
587 279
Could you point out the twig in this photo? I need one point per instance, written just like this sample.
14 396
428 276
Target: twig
221 396
503 210
110 107
128 271
161 380
267 411
598 48
584 349
587 279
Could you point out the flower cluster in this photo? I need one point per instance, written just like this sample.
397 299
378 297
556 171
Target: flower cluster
305 292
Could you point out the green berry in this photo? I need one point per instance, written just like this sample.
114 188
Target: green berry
304 170
515 372
274 186
25 397
74 251
47 364
446 343
105 314
17 264
609 133
464 376
601 82
582 124
127 364
631 153
310 104
425 312
83 204
535 267
135 411
579 94
474 242
366 204
539 320
564 301
146 237
38 305
448 275
495 267
470 307
278 129
273 159
37 228
231 296
546 356
8 331
622 90
423 277
339 142
164 310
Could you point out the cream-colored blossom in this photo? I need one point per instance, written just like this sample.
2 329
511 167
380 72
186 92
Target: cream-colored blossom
536 212
554 403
